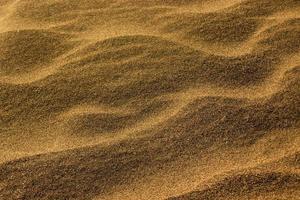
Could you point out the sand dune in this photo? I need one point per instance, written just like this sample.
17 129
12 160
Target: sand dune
162 99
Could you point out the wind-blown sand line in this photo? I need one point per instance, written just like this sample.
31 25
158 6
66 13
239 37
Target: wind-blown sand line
181 100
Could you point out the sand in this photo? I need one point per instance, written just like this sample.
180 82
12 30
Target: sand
149 100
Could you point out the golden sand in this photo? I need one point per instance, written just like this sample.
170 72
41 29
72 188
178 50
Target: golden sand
149 100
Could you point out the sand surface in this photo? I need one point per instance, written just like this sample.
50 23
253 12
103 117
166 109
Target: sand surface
149 99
